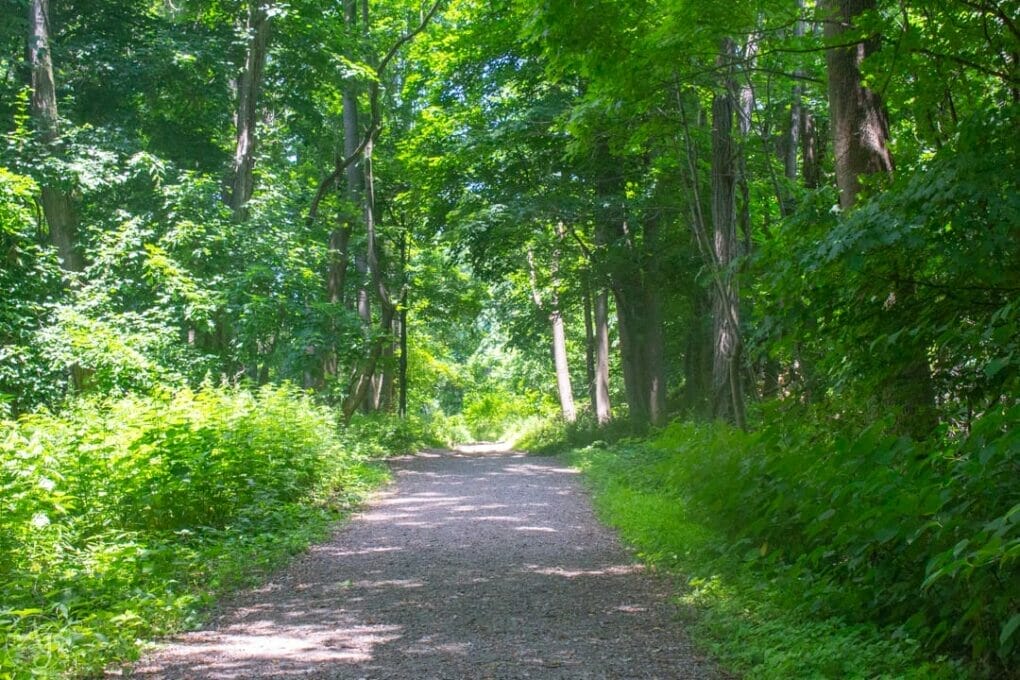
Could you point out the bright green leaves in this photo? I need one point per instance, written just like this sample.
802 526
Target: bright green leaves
119 518
29 277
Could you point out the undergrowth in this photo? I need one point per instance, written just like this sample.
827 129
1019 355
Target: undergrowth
122 519
806 551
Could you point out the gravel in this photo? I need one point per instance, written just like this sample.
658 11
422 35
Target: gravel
475 564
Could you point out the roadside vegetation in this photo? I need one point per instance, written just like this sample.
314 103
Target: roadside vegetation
814 549
122 519
768 253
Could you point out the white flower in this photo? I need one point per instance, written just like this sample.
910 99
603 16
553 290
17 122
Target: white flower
40 520
46 483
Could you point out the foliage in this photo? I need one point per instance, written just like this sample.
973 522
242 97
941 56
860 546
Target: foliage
29 277
550 434
924 269
903 548
520 168
121 518
380 435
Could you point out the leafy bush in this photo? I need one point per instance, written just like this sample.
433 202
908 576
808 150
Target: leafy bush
918 543
381 434
552 434
490 412
29 276
120 517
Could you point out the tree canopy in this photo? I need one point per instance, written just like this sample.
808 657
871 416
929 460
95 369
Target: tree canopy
608 215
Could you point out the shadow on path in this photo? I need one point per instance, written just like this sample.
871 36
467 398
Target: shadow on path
472 566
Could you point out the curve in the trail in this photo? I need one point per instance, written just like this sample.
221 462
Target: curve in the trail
470 566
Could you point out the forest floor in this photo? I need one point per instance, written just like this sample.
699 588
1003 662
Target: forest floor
477 563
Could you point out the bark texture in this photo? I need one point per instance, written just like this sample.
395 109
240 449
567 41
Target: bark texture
603 410
249 84
57 202
860 126
727 382
559 340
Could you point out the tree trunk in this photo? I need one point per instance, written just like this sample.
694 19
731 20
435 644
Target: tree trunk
339 257
57 203
860 127
631 270
603 408
596 321
248 86
362 382
383 382
792 133
340 237
403 326
727 387
589 344
812 146
559 341
860 134
639 318
562 369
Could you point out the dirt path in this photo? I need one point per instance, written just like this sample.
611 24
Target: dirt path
473 565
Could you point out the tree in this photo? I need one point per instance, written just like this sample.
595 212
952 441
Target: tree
559 338
860 125
57 201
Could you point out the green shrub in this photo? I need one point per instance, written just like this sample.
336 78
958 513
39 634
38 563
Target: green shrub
914 542
120 517
491 412
382 434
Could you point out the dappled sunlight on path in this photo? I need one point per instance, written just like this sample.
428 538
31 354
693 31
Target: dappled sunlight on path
476 564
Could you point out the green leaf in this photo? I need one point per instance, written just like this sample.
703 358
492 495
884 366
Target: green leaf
1009 629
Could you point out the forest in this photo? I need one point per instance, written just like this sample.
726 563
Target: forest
754 267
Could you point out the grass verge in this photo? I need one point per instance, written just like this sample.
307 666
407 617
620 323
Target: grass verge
747 612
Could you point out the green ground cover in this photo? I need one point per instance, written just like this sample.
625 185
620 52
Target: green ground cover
806 553
123 519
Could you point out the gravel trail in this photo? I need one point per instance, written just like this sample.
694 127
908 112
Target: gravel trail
473 565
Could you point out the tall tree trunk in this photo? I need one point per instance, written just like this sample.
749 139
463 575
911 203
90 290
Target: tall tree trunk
727 382
860 134
792 133
562 369
860 126
603 408
589 343
631 270
812 145
383 382
57 203
362 382
248 86
596 322
559 340
340 237
403 325
605 216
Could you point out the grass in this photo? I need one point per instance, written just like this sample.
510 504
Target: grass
738 608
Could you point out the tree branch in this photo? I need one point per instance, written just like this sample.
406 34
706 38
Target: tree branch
373 129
